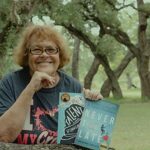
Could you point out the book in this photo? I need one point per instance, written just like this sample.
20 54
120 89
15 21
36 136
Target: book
96 124
69 115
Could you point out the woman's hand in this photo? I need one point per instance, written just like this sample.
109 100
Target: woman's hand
92 95
41 80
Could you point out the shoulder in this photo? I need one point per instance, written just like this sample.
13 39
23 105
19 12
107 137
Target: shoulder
13 77
70 82
68 78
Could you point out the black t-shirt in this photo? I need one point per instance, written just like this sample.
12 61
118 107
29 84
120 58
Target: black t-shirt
42 118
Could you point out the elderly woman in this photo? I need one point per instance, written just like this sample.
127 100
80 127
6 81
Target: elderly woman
29 96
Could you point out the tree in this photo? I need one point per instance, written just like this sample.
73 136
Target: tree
92 11
81 14
141 50
75 58
79 17
106 87
92 71
14 16
143 54
129 81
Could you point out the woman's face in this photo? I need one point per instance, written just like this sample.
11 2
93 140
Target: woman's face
43 62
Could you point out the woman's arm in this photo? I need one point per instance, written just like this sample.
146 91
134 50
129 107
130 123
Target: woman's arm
12 121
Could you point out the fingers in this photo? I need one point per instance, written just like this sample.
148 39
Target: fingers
92 95
42 80
47 83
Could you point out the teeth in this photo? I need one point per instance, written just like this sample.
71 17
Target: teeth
43 62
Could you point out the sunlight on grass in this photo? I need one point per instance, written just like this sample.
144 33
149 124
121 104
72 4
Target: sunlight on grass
132 92
129 96
132 131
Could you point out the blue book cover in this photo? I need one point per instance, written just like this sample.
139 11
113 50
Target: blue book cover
96 124
69 115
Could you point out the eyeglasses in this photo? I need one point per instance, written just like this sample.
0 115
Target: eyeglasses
40 51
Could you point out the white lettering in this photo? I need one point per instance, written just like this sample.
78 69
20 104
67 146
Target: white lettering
87 135
41 136
112 119
80 132
27 124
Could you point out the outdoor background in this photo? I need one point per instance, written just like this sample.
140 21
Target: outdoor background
109 44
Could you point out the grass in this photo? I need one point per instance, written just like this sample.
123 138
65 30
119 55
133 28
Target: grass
132 128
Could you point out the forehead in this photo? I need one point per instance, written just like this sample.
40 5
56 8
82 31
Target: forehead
42 38
42 43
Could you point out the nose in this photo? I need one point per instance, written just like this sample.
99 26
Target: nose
44 53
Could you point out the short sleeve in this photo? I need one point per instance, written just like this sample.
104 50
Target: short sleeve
7 97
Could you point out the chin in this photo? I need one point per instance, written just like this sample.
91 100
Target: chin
44 70
47 71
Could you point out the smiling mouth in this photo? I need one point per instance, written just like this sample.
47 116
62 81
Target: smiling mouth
44 62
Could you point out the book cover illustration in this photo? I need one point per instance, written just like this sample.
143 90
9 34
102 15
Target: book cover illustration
70 111
96 124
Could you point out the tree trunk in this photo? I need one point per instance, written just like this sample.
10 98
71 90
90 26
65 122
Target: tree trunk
75 58
11 146
143 59
2 60
116 90
3 38
107 87
91 73
130 83
144 75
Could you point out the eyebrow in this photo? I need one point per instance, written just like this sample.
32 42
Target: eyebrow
40 46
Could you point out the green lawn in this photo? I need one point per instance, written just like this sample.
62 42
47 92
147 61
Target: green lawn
132 128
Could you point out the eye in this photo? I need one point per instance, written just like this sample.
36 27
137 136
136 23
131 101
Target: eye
36 51
51 50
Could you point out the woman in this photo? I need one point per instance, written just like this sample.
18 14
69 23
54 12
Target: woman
29 97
